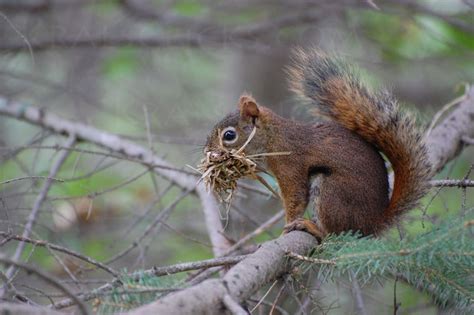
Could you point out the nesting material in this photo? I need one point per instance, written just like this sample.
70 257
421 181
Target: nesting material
221 169
221 173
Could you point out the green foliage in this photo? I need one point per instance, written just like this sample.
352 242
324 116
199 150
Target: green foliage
105 6
415 37
189 8
134 292
439 262
121 63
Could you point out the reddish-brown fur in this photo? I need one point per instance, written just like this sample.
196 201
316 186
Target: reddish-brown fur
344 151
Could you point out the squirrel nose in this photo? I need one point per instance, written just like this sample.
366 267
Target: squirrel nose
213 155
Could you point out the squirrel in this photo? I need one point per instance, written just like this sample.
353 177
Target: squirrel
343 150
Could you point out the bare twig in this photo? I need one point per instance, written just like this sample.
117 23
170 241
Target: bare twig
264 296
274 304
468 140
37 204
129 149
215 230
26 309
357 293
234 307
61 249
96 136
310 259
8 181
49 279
266 264
151 226
452 183
155 271
262 228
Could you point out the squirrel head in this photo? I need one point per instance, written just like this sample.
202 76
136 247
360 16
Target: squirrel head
233 130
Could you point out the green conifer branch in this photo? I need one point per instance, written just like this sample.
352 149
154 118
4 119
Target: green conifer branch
439 262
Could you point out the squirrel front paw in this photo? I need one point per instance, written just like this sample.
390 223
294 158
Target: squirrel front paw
306 225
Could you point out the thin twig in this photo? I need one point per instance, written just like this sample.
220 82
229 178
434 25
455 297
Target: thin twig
357 293
232 306
8 181
61 249
468 140
452 183
155 271
264 296
276 298
37 204
150 227
262 228
49 279
310 259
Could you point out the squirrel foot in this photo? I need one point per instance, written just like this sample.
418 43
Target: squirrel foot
306 225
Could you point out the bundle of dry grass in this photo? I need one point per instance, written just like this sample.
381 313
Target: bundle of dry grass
220 170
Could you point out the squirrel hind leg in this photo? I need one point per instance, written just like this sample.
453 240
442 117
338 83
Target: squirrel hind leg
306 225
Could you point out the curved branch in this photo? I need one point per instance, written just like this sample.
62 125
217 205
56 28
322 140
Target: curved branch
239 283
269 261
47 278
61 249
445 142
83 132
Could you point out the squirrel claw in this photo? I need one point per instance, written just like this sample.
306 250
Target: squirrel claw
305 225
296 225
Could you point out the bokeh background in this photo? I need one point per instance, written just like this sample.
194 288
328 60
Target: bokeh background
161 73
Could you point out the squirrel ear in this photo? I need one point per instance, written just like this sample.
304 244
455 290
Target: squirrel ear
248 107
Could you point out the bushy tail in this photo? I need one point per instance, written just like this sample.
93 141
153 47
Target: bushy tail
336 90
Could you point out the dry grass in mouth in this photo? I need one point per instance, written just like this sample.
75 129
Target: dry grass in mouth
221 171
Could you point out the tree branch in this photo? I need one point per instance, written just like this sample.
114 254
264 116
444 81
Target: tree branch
47 278
24 309
155 271
129 149
446 140
31 221
269 260
58 248
240 282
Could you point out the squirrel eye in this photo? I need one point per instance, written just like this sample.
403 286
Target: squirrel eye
229 135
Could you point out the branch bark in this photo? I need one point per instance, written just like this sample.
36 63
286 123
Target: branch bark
270 261
131 150
10 273
446 140
24 309
240 282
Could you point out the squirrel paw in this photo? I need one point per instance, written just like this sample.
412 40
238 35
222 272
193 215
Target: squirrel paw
301 224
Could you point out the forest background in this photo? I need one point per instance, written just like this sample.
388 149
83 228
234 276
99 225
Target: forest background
159 74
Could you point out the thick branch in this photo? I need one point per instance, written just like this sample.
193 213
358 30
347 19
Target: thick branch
445 141
24 309
269 262
240 282
129 149
155 271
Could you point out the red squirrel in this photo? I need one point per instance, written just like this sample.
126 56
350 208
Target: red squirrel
344 150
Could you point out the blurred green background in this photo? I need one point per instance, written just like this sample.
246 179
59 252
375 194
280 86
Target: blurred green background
422 50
